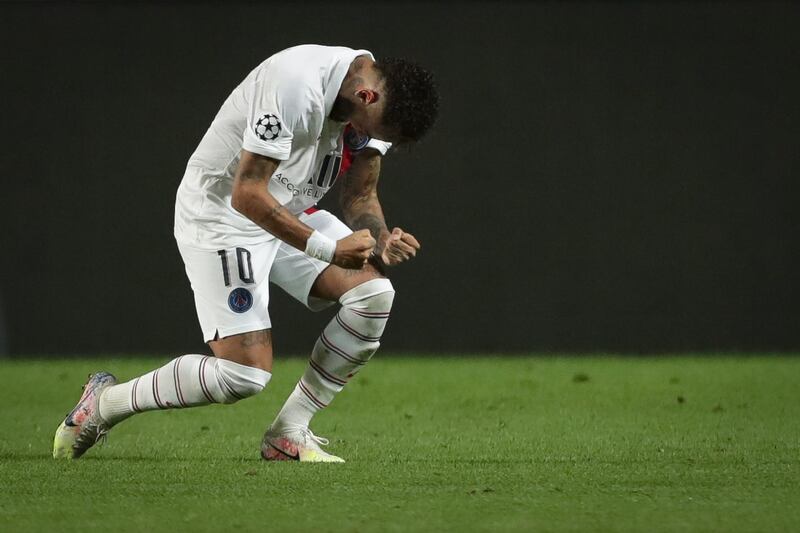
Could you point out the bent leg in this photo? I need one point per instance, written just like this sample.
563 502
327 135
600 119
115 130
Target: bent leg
240 369
345 345
231 296
187 381
230 286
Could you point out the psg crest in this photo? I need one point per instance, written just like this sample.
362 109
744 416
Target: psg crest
268 127
353 140
240 300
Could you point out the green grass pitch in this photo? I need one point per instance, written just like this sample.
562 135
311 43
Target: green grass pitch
433 444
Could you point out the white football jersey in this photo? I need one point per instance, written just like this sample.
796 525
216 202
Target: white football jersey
280 110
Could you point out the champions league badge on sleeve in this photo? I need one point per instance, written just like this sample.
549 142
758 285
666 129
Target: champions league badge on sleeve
240 300
353 140
268 127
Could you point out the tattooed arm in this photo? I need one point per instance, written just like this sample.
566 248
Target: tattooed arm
362 209
251 198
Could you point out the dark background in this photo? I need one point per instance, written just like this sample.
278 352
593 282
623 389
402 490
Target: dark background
603 177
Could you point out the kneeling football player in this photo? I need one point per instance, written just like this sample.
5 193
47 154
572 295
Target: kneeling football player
245 217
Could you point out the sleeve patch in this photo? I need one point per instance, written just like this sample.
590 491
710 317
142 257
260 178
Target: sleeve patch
268 127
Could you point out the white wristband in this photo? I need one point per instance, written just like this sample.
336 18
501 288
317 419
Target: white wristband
320 247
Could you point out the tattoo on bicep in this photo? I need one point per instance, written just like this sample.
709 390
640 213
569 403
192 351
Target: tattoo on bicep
374 166
350 187
357 190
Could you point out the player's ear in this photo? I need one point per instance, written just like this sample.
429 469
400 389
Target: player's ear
367 96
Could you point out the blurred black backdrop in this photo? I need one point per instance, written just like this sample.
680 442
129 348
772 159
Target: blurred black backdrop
604 176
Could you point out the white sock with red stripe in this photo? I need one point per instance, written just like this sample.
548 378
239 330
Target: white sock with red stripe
186 381
343 348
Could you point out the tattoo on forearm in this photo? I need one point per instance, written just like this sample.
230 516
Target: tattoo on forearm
274 212
251 175
371 222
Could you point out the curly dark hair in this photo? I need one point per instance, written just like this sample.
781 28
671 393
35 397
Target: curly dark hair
412 98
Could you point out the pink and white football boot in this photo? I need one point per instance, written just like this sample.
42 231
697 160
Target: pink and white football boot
83 427
295 443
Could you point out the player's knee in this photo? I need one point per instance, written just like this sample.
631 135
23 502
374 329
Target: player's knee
366 309
375 295
383 301
240 381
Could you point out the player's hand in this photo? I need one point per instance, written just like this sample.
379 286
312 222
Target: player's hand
398 247
353 251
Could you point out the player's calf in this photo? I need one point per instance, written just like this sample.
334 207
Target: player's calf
187 381
346 344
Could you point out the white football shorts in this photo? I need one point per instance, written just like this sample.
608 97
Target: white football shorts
231 285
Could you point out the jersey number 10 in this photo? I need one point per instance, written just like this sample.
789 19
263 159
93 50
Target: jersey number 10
243 261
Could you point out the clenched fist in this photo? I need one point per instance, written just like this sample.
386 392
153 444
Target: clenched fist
398 247
353 251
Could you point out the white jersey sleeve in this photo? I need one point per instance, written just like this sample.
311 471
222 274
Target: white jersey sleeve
280 109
